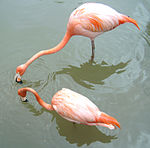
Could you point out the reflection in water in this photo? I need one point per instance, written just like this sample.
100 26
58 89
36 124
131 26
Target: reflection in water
93 73
40 84
80 134
33 110
74 133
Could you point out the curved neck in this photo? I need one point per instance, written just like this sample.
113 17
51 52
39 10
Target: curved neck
50 51
38 98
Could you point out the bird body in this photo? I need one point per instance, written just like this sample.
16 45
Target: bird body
89 20
74 107
92 19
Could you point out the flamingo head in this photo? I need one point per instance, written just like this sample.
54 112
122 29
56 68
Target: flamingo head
22 93
20 70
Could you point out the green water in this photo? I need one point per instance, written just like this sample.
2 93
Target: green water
118 81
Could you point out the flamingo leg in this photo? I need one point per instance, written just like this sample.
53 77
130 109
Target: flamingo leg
93 49
74 124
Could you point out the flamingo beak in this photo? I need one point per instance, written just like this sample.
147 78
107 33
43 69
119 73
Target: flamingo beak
18 78
24 99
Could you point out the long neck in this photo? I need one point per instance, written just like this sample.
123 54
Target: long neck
38 98
50 51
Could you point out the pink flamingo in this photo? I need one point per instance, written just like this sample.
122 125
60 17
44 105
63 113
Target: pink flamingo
74 107
89 20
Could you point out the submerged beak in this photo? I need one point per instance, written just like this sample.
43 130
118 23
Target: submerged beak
18 78
24 99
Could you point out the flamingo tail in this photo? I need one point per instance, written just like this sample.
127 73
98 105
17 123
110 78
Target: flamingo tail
127 19
108 120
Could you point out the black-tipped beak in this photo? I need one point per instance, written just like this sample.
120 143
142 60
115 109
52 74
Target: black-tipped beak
19 81
18 78
25 100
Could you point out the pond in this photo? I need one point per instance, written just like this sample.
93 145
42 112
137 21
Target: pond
117 81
